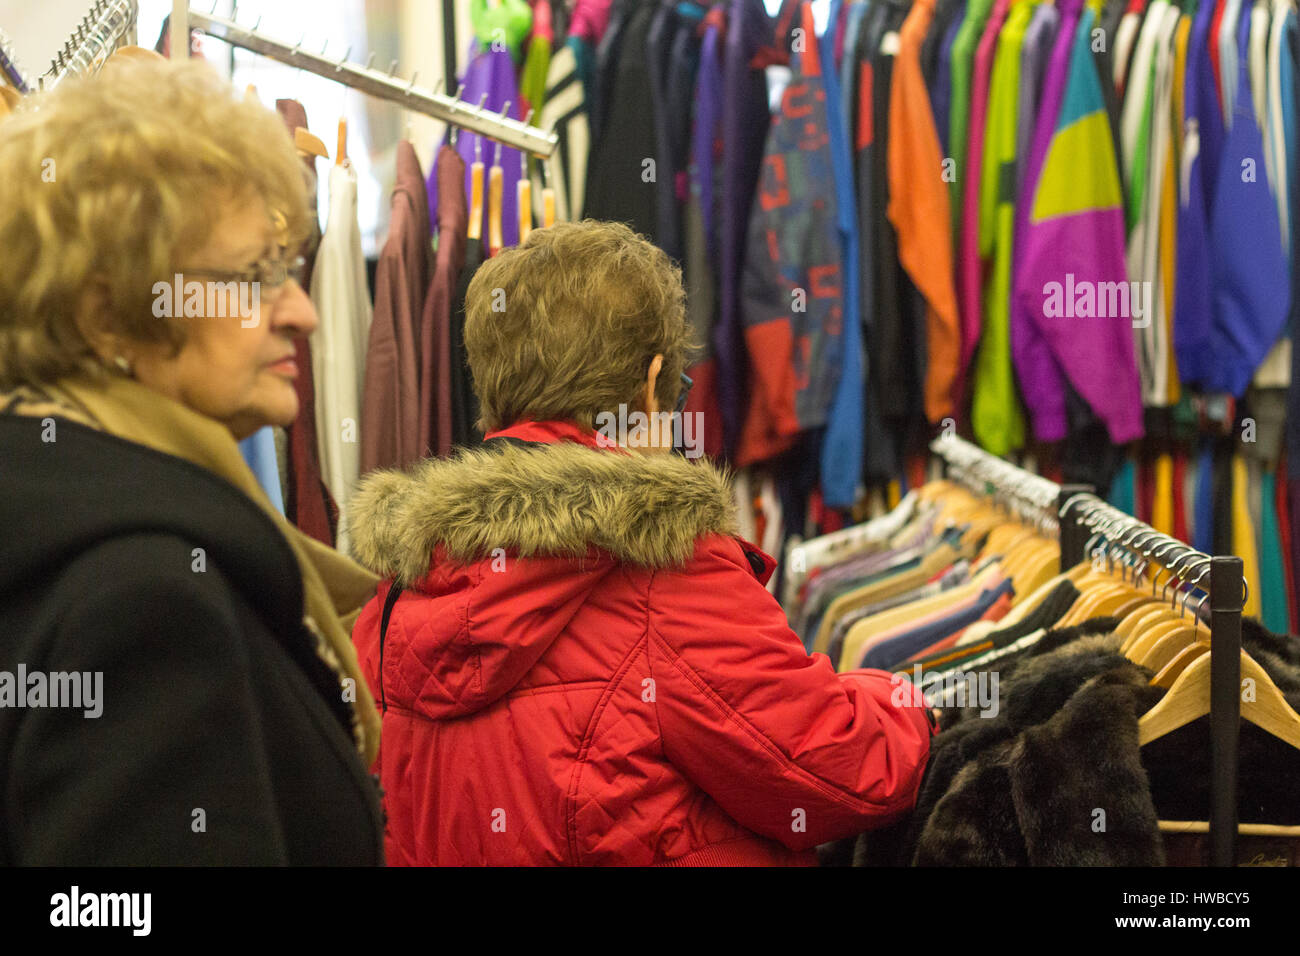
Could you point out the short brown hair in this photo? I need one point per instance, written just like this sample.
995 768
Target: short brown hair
565 325
114 178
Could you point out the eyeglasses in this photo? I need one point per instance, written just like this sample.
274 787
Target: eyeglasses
687 382
268 273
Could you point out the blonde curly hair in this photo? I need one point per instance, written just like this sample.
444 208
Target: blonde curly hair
565 326
112 181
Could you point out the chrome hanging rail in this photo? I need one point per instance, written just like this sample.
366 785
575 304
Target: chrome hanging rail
451 110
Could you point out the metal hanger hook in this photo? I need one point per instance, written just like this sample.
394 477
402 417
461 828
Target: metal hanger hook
1192 585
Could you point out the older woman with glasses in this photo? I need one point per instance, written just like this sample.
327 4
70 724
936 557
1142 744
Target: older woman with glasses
576 657
177 685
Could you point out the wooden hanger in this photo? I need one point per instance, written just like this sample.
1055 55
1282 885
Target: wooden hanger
1169 673
548 197
1139 650
1169 639
1025 556
1029 555
309 144
1043 569
924 513
1135 623
1189 698
1158 657
1112 599
1007 536
932 490
1149 623
524 198
1097 590
1023 606
136 53
475 230
341 154
496 188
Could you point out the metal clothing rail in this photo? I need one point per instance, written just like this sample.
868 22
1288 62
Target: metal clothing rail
387 86
1082 517
106 26
1220 578
1029 496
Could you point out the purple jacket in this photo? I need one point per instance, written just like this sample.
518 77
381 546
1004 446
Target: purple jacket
493 73
1201 147
1070 235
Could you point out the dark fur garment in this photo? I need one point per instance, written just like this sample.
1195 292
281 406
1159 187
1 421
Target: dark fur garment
1029 787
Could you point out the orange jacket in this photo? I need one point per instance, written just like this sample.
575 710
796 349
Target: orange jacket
918 208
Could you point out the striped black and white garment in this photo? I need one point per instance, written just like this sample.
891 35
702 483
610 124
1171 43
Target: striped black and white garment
565 111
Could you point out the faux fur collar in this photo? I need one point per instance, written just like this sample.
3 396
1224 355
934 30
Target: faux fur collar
557 499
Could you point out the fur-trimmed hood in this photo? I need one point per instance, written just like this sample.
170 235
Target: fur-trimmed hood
558 499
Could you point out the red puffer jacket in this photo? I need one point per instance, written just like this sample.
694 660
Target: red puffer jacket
585 668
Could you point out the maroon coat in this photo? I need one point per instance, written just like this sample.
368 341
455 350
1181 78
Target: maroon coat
435 334
390 408
308 504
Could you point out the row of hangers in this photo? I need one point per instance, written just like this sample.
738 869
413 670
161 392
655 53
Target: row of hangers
311 145
308 144
1163 637
1147 580
1158 632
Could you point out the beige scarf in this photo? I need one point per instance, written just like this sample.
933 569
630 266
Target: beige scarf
335 587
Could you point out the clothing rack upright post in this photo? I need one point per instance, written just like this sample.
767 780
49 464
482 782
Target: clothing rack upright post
494 126
1226 601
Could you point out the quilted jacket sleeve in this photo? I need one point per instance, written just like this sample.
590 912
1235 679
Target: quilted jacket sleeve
789 748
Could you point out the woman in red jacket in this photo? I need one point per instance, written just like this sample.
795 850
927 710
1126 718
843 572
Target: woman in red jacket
583 665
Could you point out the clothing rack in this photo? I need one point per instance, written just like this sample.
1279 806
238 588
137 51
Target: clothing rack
108 25
386 86
1082 517
1220 578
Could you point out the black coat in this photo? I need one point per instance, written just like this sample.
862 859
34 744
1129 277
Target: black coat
223 737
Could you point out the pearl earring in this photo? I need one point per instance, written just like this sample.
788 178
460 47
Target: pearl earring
122 363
